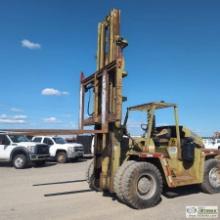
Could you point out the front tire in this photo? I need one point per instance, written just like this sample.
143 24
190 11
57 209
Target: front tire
61 157
211 183
20 161
89 170
118 184
90 176
142 185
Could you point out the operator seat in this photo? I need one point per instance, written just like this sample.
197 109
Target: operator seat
162 137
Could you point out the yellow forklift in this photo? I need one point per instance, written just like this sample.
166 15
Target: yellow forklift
135 169
136 172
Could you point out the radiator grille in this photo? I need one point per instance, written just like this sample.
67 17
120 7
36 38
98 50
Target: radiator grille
42 149
77 149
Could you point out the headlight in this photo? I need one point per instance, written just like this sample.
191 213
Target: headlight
31 149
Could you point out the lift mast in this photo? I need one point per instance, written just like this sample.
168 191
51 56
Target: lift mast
105 87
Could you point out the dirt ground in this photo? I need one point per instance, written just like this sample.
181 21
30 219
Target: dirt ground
19 199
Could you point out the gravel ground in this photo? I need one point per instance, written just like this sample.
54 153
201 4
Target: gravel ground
19 199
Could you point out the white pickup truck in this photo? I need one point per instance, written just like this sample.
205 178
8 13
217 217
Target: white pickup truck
212 143
20 151
60 149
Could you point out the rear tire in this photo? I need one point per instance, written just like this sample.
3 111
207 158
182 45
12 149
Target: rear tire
118 179
211 183
61 157
142 185
20 161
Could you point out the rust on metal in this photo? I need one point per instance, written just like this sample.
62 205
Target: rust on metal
148 106
48 132
105 85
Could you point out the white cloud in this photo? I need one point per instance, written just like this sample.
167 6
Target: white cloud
30 45
53 92
16 110
12 121
65 93
20 116
16 119
51 120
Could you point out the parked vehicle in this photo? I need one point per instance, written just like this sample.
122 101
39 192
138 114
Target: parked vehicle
88 142
18 150
212 143
60 149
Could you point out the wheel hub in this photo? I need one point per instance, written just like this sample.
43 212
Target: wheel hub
214 177
18 162
61 158
144 185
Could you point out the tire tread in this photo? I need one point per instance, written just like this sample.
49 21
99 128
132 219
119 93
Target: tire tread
206 186
127 180
118 184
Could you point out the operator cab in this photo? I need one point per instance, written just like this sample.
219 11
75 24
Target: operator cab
150 129
163 138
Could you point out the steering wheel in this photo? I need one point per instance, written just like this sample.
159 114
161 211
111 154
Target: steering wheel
144 127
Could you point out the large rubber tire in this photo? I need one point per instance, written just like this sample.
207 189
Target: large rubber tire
118 179
90 177
142 185
61 157
20 161
211 183
89 170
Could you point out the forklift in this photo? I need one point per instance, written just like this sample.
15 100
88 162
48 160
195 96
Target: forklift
137 170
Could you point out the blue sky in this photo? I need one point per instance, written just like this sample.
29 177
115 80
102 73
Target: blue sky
173 55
